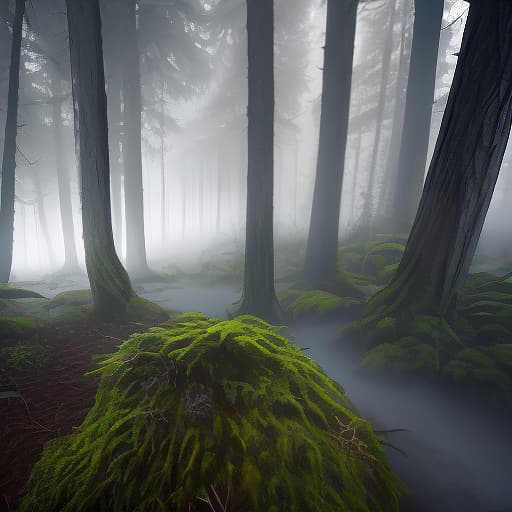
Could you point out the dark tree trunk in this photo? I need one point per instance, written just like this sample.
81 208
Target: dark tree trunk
64 185
110 285
9 155
464 168
259 297
321 255
418 111
387 50
136 262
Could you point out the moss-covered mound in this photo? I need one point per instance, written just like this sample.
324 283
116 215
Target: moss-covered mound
16 327
71 298
315 304
215 415
8 292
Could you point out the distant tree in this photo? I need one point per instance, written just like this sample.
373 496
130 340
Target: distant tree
259 296
110 285
418 112
9 154
463 172
321 255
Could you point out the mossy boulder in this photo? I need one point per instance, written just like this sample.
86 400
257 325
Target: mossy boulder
485 372
405 358
315 304
9 293
17 327
203 415
71 298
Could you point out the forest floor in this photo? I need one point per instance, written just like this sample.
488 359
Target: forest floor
457 458
43 403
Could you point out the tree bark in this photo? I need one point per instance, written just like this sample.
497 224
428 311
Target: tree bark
259 297
136 262
64 185
7 193
464 169
418 111
321 255
110 285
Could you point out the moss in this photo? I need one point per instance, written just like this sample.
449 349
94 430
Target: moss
142 309
494 333
502 355
474 281
437 332
298 304
22 356
8 292
71 298
16 327
203 407
404 358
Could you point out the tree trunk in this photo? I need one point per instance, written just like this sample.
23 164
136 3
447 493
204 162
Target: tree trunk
259 296
387 50
110 285
418 111
321 255
41 214
464 169
64 185
9 155
136 262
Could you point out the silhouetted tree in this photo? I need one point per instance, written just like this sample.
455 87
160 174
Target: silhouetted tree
259 297
9 154
463 172
321 256
110 285
418 111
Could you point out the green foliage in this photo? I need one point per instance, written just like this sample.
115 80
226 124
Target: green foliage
298 304
142 309
16 327
22 356
8 292
202 408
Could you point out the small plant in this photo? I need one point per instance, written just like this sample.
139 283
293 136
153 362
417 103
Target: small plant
21 356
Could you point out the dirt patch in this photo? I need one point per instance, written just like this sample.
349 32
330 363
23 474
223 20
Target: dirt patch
40 404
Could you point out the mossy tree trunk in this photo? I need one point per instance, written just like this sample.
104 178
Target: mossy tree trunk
136 261
421 84
321 254
463 172
9 154
110 285
259 297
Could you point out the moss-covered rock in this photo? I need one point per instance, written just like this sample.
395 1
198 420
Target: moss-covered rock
16 327
406 358
142 309
71 298
202 409
9 293
315 304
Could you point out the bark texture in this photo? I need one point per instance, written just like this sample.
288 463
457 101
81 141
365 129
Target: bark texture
321 255
259 297
9 155
464 169
412 159
110 285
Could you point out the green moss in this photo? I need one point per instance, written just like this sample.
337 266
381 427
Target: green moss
142 309
494 333
404 358
298 304
22 356
16 327
502 355
8 292
474 281
71 298
203 407
437 332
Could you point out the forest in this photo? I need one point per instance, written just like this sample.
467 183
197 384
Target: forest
255 255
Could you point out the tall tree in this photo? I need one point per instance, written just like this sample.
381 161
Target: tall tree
418 111
259 296
110 285
321 255
463 172
9 155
